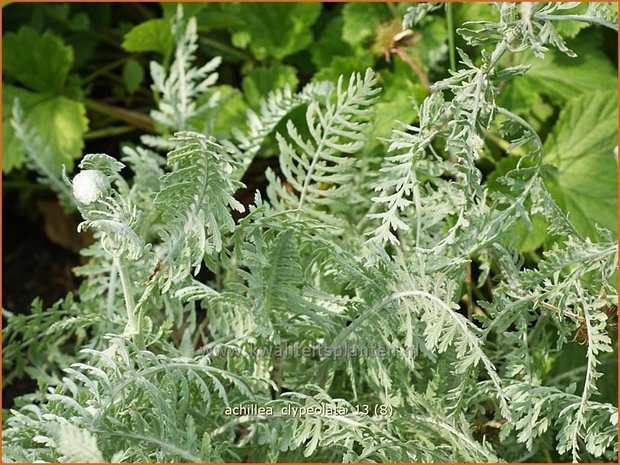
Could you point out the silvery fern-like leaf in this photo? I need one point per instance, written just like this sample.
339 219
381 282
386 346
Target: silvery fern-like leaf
290 275
77 444
274 280
272 109
409 158
318 169
195 202
181 86
418 12
595 322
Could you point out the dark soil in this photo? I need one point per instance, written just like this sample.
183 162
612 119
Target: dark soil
32 264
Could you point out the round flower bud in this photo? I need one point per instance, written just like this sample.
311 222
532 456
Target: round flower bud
89 186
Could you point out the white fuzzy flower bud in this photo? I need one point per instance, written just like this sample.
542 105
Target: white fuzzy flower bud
89 186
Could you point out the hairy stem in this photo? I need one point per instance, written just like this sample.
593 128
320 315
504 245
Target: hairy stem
133 325
580 18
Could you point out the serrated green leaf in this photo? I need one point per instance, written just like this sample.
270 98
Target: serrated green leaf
277 29
361 21
561 77
218 16
39 62
260 81
474 11
570 29
60 122
519 96
150 36
581 147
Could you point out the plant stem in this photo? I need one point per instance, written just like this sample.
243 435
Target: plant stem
470 297
108 132
111 291
450 26
580 18
133 325
138 120
416 69
104 69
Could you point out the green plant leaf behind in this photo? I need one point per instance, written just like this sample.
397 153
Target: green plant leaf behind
329 44
581 148
133 75
395 103
361 21
343 66
231 112
60 122
561 77
150 36
262 80
273 30
526 237
39 62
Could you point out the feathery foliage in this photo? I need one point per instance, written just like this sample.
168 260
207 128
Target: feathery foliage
375 306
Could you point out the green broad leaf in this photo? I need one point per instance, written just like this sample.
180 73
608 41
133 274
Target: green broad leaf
343 66
260 81
230 113
518 95
561 77
385 113
150 36
581 148
329 44
60 123
474 11
361 21
523 100
273 30
570 29
133 75
39 62
395 106
218 16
